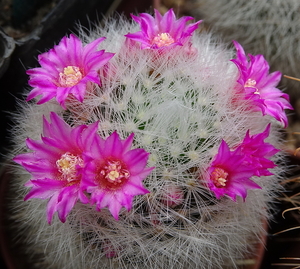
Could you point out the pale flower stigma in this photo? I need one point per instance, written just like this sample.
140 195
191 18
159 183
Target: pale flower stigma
70 76
251 84
162 40
67 166
219 177
114 172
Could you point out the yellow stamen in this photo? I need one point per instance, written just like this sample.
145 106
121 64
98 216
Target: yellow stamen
67 166
163 39
219 177
114 172
70 77
113 175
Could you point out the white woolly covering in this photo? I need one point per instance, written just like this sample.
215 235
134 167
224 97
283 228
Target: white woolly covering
263 27
187 109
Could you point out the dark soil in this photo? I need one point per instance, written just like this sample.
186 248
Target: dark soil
19 17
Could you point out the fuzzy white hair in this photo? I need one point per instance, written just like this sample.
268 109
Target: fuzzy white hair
179 112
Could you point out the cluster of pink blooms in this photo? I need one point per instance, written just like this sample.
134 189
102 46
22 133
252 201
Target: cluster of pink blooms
75 163
231 170
70 163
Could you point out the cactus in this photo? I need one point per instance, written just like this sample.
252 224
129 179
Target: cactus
159 153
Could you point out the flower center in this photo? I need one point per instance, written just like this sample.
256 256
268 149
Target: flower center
67 166
163 39
70 77
113 174
252 84
219 177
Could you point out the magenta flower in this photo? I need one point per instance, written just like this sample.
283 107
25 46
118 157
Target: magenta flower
56 165
66 69
257 152
259 87
229 175
116 173
162 31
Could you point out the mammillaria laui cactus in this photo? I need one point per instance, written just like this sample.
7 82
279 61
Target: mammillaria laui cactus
158 153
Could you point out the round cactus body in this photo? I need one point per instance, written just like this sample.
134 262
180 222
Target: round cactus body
157 152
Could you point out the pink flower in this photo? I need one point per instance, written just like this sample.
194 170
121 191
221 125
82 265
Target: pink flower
67 69
257 152
228 174
56 165
162 31
116 173
259 87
